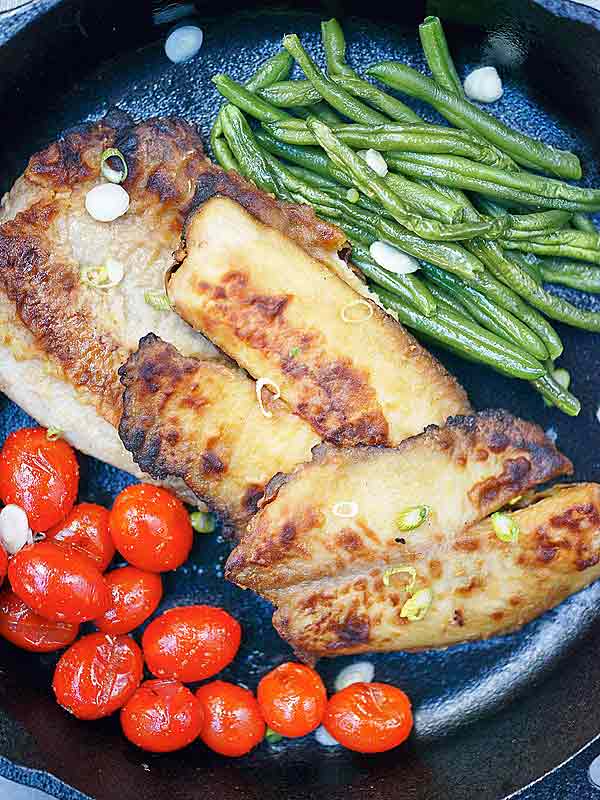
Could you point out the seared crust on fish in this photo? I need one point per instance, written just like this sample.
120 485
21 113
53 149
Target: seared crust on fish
284 315
323 565
201 421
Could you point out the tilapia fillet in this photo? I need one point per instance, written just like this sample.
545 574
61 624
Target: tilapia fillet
286 315
328 574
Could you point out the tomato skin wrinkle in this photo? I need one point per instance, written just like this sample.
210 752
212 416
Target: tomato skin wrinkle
21 626
292 699
86 530
58 583
39 475
135 595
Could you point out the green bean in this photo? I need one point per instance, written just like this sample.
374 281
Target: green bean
315 180
530 267
326 114
394 108
372 185
465 336
489 314
426 200
337 97
435 47
537 189
526 225
222 151
251 161
286 94
334 43
526 151
244 99
557 395
312 158
568 243
584 277
583 223
447 300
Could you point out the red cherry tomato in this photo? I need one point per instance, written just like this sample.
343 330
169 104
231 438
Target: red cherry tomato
3 564
369 717
191 643
292 699
40 475
151 528
58 582
86 529
27 630
233 724
162 716
97 675
135 595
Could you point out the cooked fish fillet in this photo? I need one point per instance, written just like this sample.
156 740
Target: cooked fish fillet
200 421
279 312
325 572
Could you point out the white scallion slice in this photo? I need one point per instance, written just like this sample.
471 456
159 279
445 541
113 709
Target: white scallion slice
417 606
203 521
324 738
598 413
106 202
15 532
158 300
183 43
272 737
484 85
359 672
345 509
392 259
106 276
352 196
375 160
505 527
260 384
113 175
399 569
53 433
411 518
366 314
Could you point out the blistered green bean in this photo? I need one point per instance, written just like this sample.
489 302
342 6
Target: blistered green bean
435 47
334 43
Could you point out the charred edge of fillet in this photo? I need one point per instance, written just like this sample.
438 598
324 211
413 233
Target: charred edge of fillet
156 362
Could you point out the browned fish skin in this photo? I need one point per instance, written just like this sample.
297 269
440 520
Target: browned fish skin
280 314
200 421
324 572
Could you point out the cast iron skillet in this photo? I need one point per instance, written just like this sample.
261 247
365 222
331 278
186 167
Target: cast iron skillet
491 717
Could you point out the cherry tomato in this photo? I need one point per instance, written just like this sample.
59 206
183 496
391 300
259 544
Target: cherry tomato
292 699
233 724
58 582
369 717
40 475
191 643
3 564
97 675
151 528
135 595
162 716
86 529
27 630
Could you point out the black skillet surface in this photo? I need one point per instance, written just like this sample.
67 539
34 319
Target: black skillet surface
491 717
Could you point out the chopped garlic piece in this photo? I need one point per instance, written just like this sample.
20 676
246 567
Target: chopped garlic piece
106 202
484 85
14 529
183 43
392 259
375 160
359 672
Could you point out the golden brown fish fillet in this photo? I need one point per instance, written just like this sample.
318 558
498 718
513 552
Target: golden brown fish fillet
200 421
279 313
324 572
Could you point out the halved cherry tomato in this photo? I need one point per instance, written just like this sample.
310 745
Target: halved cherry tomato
191 643
86 529
151 528
162 716
369 717
58 582
233 724
27 630
135 595
3 564
97 675
292 699
40 475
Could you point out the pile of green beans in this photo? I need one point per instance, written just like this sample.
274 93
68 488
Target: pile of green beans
484 256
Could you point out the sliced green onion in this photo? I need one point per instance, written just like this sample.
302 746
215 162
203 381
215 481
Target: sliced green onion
113 175
272 737
562 376
105 276
352 196
52 434
366 315
203 521
505 527
294 352
412 517
417 606
401 568
158 300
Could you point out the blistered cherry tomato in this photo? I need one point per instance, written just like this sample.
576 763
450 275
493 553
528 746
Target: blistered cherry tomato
3 564
58 582
86 529
135 595
162 716
292 699
23 627
97 675
369 717
40 475
233 724
151 528
191 643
